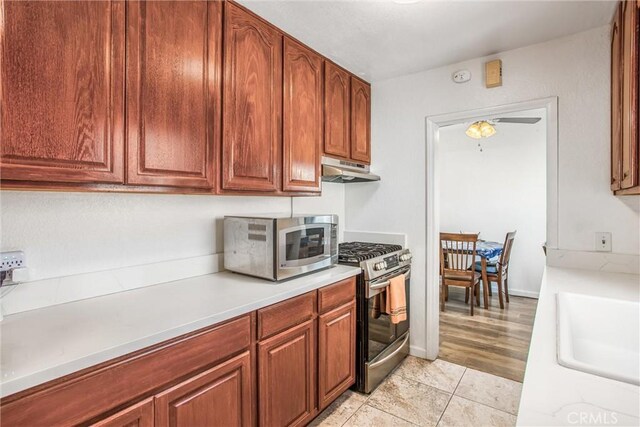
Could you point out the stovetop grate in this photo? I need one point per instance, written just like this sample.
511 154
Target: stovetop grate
356 252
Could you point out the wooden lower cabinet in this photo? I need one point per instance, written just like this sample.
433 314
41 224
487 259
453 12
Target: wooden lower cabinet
336 352
304 368
136 415
287 377
275 367
220 396
87 395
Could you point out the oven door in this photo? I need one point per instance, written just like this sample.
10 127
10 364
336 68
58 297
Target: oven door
381 333
306 247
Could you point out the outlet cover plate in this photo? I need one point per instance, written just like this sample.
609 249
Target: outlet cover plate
10 260
603 241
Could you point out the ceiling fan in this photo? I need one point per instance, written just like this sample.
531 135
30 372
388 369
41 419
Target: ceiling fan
523 120
486 128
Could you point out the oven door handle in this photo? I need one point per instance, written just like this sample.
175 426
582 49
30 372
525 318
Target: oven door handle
407 275
380 285
392 354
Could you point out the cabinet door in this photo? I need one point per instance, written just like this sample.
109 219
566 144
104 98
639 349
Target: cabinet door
137 415
616 100
251 145
220 396
336 111
62 87
286 377
360 121
630 95
336 353
173 87
302 118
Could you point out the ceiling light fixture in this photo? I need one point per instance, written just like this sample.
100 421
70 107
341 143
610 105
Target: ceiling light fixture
480 129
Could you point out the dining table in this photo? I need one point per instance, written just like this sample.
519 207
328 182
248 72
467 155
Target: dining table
489 254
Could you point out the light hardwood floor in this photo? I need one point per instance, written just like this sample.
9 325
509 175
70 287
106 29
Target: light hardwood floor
494 341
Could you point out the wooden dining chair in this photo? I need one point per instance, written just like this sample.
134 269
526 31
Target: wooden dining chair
457 257
499 272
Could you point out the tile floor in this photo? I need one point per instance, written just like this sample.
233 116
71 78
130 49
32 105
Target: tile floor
423 393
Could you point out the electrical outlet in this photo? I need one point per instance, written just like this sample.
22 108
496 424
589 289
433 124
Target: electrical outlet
603 241
10 260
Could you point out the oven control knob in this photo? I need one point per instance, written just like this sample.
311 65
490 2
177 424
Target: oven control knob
380 266
405 257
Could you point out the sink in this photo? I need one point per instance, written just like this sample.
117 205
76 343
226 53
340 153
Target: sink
600 336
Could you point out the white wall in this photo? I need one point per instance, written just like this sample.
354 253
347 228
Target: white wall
71 233
499 189
574 68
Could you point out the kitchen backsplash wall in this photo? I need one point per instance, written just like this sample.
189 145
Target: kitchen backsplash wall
66 234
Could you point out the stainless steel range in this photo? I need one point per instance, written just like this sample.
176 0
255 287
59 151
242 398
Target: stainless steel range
381 345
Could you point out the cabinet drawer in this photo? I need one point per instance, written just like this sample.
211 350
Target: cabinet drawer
337 294
83 396
283 315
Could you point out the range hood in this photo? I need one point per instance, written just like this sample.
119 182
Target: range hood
334 170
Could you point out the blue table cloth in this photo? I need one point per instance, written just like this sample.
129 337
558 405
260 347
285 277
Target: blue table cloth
485 249
489 250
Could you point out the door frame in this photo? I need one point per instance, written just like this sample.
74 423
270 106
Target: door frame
433 124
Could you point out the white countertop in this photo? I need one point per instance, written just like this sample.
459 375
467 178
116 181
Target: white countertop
44 344
554 395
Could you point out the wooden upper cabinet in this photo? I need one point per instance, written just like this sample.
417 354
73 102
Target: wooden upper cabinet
137 415
287 377
252 101
62 91
337 112
336 352
220 396
360 121
625 95
616 100
173 92
302 118
629 99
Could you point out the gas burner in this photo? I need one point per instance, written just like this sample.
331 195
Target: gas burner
356 252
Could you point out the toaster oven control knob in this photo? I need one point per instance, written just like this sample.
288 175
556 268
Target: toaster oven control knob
405 257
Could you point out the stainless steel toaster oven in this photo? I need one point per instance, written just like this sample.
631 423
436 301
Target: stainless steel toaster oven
278 248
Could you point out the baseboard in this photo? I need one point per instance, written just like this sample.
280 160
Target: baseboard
43 293
516 292
417 352
523 293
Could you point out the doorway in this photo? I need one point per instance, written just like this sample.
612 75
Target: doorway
493 156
